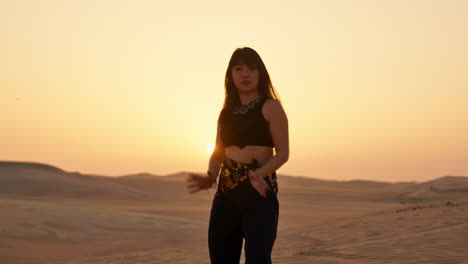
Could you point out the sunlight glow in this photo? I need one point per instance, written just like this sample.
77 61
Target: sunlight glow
140 86
210 148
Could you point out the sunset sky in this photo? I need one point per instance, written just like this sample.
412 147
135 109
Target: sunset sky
373 90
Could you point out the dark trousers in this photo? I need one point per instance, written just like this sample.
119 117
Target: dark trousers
240 214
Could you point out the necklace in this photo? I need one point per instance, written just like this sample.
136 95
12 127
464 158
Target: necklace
244 108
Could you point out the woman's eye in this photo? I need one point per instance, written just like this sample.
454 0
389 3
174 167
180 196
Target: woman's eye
252 68
237 68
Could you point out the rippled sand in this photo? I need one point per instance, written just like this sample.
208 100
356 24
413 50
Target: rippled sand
51 216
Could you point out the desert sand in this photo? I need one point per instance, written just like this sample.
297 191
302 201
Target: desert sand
48 215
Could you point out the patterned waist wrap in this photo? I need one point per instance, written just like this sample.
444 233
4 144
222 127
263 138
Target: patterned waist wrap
233 174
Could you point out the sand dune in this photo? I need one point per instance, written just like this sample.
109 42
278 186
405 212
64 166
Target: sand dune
49 215
446 188
39 180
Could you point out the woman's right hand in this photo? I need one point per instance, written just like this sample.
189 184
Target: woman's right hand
197 182
258 183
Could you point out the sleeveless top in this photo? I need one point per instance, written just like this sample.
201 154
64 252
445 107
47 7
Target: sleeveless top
245 125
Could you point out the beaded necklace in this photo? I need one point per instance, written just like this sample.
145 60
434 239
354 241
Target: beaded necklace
244 108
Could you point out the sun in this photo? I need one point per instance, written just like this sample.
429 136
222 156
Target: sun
210 148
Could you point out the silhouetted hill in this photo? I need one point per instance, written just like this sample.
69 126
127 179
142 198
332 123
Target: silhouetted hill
441 189
29 165
41 180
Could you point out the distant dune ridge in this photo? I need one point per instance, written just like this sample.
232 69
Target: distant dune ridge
29 165
445 188
53 216
36 179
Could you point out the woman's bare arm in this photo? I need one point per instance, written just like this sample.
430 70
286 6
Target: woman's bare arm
278 122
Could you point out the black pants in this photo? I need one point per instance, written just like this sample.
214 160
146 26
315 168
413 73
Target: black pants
242 213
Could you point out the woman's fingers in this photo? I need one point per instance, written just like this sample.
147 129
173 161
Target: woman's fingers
265 185
196 183
265 190
260 191
193 187
259 183
193 190
195 178
260 188
193 183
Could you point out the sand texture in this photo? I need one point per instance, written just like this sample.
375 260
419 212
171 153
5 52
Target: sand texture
48 215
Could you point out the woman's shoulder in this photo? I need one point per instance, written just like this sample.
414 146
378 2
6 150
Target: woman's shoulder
271 107
271 104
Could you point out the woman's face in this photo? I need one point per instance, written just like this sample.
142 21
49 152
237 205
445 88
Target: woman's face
245 78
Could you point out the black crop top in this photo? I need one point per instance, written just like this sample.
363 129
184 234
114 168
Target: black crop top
245 125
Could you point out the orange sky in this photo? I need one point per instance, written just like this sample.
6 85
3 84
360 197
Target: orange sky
373 89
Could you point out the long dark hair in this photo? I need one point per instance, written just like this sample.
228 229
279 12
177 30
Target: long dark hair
247 56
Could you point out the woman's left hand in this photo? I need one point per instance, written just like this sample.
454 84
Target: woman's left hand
258 183
197 182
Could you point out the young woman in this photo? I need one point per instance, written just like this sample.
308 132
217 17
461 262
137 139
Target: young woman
251 144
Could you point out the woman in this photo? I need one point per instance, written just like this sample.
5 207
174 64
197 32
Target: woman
251 144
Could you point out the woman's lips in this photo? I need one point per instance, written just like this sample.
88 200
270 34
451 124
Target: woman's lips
245 82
